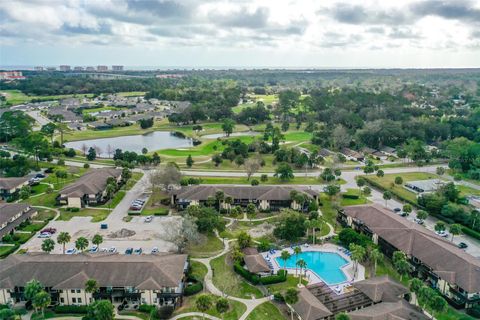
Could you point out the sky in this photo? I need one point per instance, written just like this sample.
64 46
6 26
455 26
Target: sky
241 33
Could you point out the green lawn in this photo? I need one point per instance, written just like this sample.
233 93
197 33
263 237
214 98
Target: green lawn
208 247
235 311
198 270
291 282
46 200
17 97
387 182
96 214
112 203
229 282
132 94
266 310
466 191
352 202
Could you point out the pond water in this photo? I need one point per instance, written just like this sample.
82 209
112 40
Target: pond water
156 140
235 134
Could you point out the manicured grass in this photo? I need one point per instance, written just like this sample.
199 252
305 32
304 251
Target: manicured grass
99 109
271 180
234 313
266 98
328 211
17 97
39 188
46 200
229 282
45 215
96 214
266 310
388 182
198 270
208 247
136 176
291 282
137 314
467 191
6 250
242 106
33 227
112 203
352 202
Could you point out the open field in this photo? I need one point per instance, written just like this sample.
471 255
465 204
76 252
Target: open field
209 246
96 214
15 97
266 310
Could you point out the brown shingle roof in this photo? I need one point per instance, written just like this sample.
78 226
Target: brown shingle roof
309 307
203 192
400 310
440 255
9 210
381 289
92 182
255 263
10 183
110 270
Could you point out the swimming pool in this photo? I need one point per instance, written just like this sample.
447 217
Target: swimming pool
326 265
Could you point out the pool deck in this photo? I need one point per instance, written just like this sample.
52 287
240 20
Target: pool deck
311 276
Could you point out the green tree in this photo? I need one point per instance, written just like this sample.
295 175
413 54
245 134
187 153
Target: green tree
407 209
244 240
342 316
144 150
376 256
380 173
285 255
360 183
284 172
438 304
237 255
81 243
228 126
291 297
203 303
7 314
92 154
422 214
49 130
398 180
41 300
91 286
25 192
440 171
415 285
48 245
331 190
32 288
440 226
358 254
387 195
455 229
63 238
222 305
296 251
189 161
425 294
302 265
97 239
101 310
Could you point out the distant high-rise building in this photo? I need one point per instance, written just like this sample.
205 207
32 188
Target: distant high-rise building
65 68
90 69
78 69
11 75
51 69
102 68
38 68
117 68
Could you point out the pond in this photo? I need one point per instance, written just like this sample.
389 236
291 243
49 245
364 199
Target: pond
235 134
156 140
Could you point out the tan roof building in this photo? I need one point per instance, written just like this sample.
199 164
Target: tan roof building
12 215
399 310
8 186
382 288
309 307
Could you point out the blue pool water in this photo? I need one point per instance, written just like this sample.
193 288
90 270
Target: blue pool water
325 264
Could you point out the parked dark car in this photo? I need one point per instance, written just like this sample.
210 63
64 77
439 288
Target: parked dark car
129 251
462 245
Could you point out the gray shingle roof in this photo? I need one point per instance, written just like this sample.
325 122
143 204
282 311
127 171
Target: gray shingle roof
381 289
10 183
400 310
151 272
443 257
256 263
309 307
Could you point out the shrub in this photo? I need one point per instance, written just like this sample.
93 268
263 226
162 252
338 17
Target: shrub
71 309
471 233
86 165
61 162
277 296
165 312
281 276
264 178
350 196
73 209
254 279
133 213
9 250
348 235
146 308
474 312
255 182
193 289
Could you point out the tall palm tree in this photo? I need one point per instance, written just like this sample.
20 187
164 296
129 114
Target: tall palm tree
414 286
285 255
358 254
219 197
291 297
97 239
91 286
63 238
81 243
229 201
302 265
48 245
317 224
376 256
297 250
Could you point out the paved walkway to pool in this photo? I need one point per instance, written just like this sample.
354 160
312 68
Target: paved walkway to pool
312 277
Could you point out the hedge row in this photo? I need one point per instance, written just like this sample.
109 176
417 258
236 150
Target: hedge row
10 249
71 309
379 186
281 276
470 232
350 196
146 308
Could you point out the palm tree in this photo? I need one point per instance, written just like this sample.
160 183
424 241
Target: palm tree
376 256
229 202
308 225
97 239
297 250
302 265
316 224
48 245
285 255
358 254
219 197
91 286
342 316
63 238
291 297
41 301
81 243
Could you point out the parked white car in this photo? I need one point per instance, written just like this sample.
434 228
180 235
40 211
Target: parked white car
148 219
71 251
44 235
